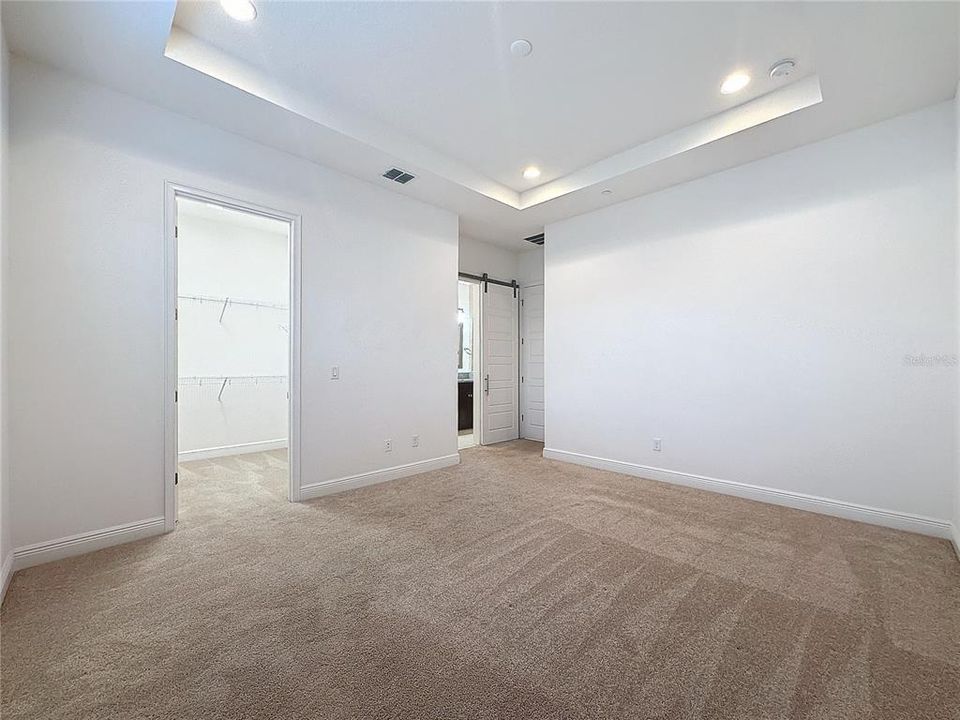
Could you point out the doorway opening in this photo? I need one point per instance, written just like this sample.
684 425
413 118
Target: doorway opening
468 364
232 348
488 372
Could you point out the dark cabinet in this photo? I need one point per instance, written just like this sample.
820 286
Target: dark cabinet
465 405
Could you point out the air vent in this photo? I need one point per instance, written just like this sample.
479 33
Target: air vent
535 239
398 175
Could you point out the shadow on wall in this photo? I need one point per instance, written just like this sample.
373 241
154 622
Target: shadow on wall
832 172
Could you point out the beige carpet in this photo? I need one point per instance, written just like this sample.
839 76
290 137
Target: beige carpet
507 587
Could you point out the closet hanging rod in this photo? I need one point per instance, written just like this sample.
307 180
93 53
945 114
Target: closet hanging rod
232 301
213 379
224 380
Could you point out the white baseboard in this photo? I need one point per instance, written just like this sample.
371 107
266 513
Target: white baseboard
45 552
798 501
956 540
241 449
328 487
6 572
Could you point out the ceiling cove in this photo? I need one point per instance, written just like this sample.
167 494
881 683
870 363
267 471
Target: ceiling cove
203 57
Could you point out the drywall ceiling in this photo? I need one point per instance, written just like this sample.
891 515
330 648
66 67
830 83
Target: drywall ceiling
443 73
615 96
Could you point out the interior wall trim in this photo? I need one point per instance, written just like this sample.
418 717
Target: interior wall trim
350 482
45 552
224 450
798 501
6 572
956 540
172 192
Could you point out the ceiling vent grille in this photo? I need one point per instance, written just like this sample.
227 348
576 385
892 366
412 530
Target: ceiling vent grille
398 175
535 239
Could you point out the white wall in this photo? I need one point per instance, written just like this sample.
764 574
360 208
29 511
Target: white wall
530 266
6 535
478 257
230 254
86 320
767 322
956 120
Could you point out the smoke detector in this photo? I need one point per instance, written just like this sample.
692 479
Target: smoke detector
782 69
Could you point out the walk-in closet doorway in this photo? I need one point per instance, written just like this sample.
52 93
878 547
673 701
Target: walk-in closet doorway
233 318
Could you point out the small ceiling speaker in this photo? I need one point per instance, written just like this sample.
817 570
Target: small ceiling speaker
521 47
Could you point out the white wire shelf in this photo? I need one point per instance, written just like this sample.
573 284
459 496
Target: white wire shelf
239 379
228 380
227 301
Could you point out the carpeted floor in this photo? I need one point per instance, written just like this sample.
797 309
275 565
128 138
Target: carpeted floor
508 587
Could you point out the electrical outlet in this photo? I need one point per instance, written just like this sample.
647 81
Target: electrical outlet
415 441
656 444
388 445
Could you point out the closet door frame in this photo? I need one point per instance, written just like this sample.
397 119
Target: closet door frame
173 191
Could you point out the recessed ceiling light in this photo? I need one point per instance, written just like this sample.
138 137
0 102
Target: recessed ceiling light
242 10
531 173
521 47
608 191
735 82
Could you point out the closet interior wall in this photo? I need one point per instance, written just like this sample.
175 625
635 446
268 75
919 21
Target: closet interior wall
233 330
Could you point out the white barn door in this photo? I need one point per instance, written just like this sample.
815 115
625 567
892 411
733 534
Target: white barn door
531 363
499 396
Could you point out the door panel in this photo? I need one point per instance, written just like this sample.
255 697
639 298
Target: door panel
500 391
531 386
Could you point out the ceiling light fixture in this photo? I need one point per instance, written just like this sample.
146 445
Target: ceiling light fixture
531 173
241 10
608 191
734 82
521 48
